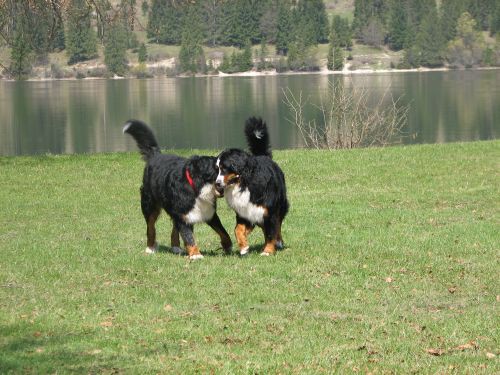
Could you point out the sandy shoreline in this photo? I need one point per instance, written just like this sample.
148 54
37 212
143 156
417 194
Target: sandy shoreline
253 73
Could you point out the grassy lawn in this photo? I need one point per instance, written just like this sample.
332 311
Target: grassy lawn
391 266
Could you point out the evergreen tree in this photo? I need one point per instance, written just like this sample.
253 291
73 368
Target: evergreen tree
342 32
495 20
142 54
311 21
335 59
373 33
20 55
212 11
369 12
481 11
284 33
429 44
225 66
115 49
81 43
145 7
240 23
165 21
127 15
450 10
338 58
398 25
191 55
269 21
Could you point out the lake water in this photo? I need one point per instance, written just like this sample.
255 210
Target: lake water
87 116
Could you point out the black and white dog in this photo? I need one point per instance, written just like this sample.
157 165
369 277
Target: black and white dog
254 187
184 188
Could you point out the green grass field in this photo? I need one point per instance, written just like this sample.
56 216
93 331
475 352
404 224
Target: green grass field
391 266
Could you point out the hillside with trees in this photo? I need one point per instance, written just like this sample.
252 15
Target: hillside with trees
143 38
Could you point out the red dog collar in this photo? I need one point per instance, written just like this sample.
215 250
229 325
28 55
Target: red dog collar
190 180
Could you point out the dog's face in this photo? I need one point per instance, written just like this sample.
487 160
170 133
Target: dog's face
230 164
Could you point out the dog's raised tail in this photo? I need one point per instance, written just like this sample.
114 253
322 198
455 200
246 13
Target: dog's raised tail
257 137
143 136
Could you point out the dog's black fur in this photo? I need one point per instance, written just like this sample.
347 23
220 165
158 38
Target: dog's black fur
166 185
254 186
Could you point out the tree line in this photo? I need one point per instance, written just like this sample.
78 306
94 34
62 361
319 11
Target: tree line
430 35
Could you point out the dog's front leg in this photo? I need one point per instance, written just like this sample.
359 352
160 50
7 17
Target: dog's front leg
186 232
242 230
225 240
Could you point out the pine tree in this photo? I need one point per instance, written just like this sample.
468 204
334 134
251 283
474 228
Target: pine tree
398 25
191 55
212 11
338 58
429 44
21 55
115 49
335 59
369 11
340 28
312 21
284 33
165 21
142 54
81 43
450 12
481 11
495 20
240 23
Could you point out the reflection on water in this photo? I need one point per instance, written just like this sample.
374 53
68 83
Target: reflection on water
87 116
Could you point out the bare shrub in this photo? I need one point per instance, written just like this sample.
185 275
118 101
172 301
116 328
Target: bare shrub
347 119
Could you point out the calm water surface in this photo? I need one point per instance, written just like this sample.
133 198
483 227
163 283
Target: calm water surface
87 116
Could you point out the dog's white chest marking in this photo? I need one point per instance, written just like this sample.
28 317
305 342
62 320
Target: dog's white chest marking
204 207
240 202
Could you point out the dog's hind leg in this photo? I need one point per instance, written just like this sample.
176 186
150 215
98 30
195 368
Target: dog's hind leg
151 213
186 232
279 239
151 231
225 240
271 233
175 242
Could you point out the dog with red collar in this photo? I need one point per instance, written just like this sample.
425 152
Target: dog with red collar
183 187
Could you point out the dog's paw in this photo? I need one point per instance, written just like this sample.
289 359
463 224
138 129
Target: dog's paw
244 251
280 245
195 257
177 250
151 250
265 254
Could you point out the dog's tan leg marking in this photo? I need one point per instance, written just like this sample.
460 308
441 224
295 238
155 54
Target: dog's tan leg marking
241 232
270 248
193 252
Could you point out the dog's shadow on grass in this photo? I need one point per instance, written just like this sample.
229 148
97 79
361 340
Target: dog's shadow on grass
163 249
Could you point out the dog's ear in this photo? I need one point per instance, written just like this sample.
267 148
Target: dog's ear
202 168
238 164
